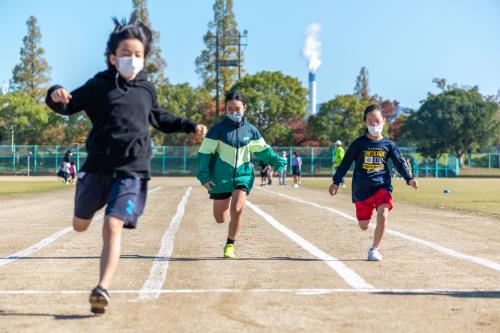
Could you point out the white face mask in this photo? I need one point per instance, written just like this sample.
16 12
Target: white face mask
376 130
129 67
236 117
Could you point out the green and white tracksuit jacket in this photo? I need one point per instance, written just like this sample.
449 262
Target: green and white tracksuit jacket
224 156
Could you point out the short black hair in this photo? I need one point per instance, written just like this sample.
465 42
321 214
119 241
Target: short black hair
124 30
371 108
235 96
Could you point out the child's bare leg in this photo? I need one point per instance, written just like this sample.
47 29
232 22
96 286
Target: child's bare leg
364 224
238 201
111 235
80 225
382 216
221 210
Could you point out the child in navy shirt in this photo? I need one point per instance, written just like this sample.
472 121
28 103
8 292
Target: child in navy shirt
371 181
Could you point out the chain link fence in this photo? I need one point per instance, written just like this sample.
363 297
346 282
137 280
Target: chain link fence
182 160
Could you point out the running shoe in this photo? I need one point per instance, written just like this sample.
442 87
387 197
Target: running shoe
374 255
229 251
99 299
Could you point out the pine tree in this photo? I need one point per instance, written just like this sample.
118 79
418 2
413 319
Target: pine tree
32 74
225 22
155 65
362 89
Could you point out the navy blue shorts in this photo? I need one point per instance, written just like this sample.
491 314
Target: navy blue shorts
295 170
125 196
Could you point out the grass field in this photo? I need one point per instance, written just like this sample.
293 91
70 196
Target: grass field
12 186
478 195
480 172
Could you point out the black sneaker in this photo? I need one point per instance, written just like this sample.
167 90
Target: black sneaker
99 299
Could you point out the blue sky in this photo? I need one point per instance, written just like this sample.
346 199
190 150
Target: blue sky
404 44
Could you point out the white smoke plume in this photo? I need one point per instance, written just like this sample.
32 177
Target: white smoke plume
312 47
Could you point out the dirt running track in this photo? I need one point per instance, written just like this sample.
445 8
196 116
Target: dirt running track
300 267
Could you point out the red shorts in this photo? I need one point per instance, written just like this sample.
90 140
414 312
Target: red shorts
365 208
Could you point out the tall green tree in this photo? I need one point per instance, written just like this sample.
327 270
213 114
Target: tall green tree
362 89
225 26
274 101
443 85
185 101
339 119
23 114
454 121
31 75
67 131
154 65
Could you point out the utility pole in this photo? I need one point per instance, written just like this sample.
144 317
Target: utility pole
217 69
241 43
227 63
239 56
4 88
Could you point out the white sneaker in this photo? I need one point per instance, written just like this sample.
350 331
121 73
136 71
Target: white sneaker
296 185
374 255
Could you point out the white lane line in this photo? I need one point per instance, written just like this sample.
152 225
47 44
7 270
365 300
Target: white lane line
156 189
298 291
159 268
477 260
349 276
47 241
34 248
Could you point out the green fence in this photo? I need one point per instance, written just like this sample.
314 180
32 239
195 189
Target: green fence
175 161
483 160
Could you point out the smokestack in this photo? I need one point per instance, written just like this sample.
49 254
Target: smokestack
312 92
4 88
312 52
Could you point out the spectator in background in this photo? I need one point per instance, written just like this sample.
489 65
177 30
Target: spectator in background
270 175
282 174
63 171
72 171
263 173
338 156
67 156
296 169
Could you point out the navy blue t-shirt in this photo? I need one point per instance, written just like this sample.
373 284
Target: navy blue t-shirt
371 172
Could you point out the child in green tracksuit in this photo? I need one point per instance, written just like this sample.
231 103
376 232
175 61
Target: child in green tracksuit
224 167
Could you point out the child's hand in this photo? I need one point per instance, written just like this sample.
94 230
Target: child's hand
60 96
200 130
334 188
208 185
413 183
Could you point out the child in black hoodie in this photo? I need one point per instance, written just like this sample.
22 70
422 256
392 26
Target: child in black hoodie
121 104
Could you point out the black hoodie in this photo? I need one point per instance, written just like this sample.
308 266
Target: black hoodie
120 112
